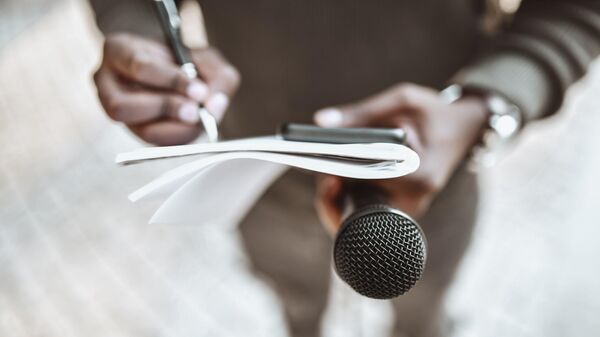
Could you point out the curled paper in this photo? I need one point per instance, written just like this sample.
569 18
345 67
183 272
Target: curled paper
233 174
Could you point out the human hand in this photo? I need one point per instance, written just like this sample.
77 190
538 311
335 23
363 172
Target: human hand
140 84
441 133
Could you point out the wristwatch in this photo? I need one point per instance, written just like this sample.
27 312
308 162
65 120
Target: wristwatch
504 122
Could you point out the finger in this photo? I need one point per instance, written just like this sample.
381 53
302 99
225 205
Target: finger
220 76
136 107
142 61
166 133
408 194
327 202
377 109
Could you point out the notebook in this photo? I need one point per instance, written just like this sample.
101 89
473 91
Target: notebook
235 173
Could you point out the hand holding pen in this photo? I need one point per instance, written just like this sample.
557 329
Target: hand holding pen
140 84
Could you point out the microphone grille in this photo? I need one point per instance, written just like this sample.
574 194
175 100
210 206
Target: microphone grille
380 252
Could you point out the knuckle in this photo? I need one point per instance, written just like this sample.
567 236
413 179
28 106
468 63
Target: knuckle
405 93
110 40
430 184
170 105
117 36
96 76
212 51
179 82
405 86
114 40
140 61
107 49
205 53
115 108
231 75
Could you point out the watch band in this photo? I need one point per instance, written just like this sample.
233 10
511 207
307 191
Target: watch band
503 125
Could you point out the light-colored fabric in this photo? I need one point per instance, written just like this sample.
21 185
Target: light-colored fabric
503 73
545 49
79 259
533 268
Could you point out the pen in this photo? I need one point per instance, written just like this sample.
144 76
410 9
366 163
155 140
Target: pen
171 24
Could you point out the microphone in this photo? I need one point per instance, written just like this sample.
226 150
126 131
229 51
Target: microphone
379 251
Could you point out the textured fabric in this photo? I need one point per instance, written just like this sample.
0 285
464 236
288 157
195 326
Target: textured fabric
560 37
298 56
134 16
16 15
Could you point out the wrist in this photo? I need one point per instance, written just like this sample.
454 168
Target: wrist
472 115
475 110
503 122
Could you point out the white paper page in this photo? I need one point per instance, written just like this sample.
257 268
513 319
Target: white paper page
220 195
373 151
228 177
349 169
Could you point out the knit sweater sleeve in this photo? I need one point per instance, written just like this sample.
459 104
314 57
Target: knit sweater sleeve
133 16
546 48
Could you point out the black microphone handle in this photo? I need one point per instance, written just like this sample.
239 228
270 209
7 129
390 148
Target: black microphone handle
358 195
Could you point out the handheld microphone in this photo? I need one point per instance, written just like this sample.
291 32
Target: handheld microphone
379 251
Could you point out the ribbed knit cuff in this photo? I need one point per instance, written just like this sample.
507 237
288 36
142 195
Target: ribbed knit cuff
517 77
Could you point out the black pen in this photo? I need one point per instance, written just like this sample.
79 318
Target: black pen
171 26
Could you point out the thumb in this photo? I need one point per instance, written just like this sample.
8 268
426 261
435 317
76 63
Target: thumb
327 202
377 109
368 112
330 118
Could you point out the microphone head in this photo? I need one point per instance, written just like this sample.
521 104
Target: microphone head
380 252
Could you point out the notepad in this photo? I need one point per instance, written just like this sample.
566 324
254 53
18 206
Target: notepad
237 172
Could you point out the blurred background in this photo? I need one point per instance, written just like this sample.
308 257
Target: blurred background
77 259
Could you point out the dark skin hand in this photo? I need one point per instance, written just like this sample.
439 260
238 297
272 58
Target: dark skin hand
140 85
441 133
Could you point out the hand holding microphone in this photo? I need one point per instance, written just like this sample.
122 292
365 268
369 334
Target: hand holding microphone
380 251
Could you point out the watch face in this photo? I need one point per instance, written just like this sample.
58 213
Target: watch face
505 125
505 120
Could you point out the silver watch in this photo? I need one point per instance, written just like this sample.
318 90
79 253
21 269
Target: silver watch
504 122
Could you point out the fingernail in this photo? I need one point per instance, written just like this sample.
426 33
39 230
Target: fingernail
217 104
197 91
188 113
329 117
